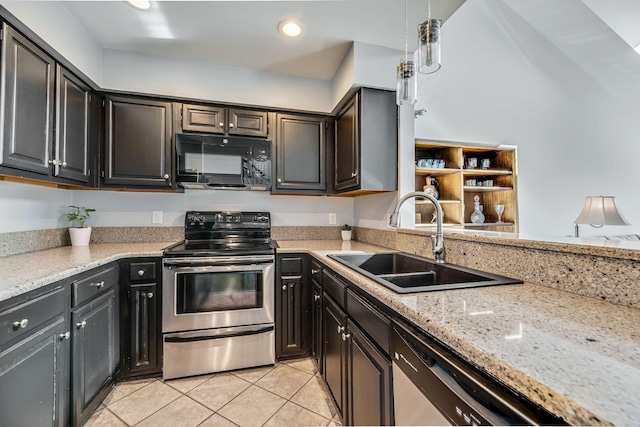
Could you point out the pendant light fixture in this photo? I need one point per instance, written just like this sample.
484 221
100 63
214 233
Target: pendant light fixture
406 88
429 44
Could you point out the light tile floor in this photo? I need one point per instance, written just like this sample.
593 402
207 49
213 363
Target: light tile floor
288 394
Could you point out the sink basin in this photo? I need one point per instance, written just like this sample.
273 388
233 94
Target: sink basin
404 273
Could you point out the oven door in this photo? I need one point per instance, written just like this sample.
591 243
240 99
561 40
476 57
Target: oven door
217 292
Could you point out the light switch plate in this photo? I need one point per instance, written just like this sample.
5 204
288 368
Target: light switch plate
333 219
156 218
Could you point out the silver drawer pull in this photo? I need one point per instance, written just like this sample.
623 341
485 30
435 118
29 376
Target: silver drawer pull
65 336
99 285
340 329
316 297
354 174
315 271
81 324
345 336
150 295
284 287
21 324
140 273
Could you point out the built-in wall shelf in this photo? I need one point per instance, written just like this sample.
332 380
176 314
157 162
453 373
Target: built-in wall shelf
466 171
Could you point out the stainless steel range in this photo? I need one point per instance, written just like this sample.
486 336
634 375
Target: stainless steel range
218 290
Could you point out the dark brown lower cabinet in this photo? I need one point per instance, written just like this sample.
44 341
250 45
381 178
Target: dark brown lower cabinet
141 330
34 366
292 309
368 381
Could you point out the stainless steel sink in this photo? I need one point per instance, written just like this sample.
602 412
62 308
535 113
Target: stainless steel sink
404 273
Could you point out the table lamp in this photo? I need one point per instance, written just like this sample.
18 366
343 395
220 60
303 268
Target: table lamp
598 211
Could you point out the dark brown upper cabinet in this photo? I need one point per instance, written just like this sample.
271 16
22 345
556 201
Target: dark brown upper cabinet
138 149
73 143
300 154
224 121
366 143
27 98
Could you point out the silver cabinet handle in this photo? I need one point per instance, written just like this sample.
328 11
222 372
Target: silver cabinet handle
354 174
63 164
221 124
315 271
231 125
53 162
345 336
99 285
81 324
140 273
279 179
316 297
150 295
65 336
340 329
166 176
284 287
21 324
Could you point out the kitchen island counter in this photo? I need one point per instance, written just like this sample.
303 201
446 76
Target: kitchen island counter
28 271
577 357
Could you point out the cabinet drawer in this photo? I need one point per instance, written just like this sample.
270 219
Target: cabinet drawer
291 265
142 271
370 320
24 318
334 288
91 286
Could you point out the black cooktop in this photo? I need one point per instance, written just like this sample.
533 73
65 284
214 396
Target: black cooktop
216 233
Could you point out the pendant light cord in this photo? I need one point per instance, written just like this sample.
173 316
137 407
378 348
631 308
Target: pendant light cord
406 30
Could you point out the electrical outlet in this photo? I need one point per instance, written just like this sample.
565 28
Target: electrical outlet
333 219
156 218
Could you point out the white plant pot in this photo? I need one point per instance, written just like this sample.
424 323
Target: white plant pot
80 236
346 234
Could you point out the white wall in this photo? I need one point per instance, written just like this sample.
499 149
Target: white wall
503 83
175 77
52 22
25 207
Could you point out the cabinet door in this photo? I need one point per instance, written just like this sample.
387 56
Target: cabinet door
368 383
72 127
94 352
316 325
203 118
335 322
27 104
347 150
33 378
143 311
138 142
247 122
290 316
300 153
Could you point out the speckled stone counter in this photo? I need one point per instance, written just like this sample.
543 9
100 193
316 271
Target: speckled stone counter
25 272
576 356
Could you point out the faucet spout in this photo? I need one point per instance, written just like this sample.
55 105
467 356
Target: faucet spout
437 241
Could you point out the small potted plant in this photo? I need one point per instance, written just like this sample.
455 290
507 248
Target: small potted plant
346 232
80 235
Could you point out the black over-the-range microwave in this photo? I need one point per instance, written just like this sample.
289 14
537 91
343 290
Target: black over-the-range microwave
222 162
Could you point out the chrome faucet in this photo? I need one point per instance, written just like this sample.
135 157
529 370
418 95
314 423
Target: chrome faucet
437 241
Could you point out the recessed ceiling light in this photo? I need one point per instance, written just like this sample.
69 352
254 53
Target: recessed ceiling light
140 4
290 28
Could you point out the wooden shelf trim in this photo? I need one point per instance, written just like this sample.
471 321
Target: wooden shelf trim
436 172
480 189
486 172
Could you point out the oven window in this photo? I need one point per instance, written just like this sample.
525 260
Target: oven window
224 291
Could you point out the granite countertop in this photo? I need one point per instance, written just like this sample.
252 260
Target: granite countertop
25 272
577 357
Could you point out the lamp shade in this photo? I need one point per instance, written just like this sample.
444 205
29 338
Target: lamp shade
600 210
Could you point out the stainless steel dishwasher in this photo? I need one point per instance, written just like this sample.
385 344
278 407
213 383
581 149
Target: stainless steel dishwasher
432 386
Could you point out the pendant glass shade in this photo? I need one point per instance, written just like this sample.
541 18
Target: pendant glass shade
429 46
406 88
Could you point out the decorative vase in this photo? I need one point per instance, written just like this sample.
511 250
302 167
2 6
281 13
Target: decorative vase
346 234
80 236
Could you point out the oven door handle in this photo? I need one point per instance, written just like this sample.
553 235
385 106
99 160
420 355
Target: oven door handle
190 337
214 262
